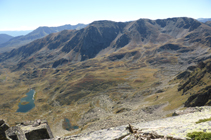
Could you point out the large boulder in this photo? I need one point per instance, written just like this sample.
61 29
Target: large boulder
30 130
3 128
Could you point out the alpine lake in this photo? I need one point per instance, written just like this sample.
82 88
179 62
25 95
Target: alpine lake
27 103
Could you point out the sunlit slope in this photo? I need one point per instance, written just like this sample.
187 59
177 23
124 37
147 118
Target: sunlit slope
107 74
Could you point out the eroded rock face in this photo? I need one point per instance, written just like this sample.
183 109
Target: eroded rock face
3 128
30 130
202 98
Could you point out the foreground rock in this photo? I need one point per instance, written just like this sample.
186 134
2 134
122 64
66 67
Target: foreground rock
3 128
187 111
170 128
30 130
120 133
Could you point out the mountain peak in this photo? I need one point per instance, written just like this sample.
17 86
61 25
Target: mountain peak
4 38
36 34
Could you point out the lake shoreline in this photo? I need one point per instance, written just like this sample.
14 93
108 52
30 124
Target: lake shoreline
29 99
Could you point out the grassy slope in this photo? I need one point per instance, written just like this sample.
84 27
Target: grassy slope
73 86
70 91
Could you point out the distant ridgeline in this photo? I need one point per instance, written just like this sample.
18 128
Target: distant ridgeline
18 41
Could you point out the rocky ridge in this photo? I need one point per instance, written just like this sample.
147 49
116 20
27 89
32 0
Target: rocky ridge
160 40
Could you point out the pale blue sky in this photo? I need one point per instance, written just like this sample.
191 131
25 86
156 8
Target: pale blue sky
30 14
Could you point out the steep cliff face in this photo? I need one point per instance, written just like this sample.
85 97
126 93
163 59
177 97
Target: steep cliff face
96 37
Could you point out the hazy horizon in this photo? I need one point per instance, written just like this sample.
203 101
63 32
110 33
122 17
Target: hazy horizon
28 15
15 33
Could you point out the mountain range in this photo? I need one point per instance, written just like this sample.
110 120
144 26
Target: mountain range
16 33
35 34
204 19
109 73
114 40
208 23
4 38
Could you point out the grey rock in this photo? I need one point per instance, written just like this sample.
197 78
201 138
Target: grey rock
1 122
36 123
188 110
30 130
3 128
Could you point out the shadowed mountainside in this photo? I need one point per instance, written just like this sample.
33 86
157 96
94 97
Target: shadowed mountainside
196 82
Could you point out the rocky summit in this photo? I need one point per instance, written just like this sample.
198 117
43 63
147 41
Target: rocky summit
95 81
171 128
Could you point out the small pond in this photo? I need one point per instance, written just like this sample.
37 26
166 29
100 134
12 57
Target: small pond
27 103
67 125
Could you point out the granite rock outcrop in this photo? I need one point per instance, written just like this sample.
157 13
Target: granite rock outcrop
30 130
3 128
